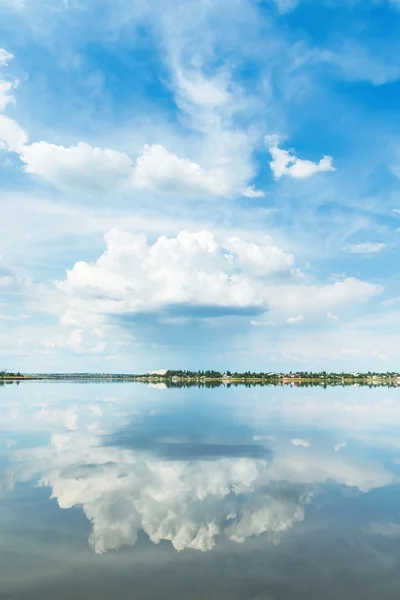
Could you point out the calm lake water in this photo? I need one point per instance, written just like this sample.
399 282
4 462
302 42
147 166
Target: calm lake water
128 491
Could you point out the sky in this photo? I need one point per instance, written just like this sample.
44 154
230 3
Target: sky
199 184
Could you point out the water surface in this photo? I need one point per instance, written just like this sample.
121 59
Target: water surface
124 491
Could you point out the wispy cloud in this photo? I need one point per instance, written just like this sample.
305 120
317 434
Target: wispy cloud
285 6
339 446
6 86
391 301
331 316
300 442
293 320
252 192
5 57
390 530
365 247
356 63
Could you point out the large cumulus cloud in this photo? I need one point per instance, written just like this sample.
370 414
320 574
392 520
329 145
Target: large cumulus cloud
197 269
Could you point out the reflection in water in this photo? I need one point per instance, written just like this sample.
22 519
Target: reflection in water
189 494
209 471
189 503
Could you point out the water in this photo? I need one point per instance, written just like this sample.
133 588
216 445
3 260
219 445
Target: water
129 491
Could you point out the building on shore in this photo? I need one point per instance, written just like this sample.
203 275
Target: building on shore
158 372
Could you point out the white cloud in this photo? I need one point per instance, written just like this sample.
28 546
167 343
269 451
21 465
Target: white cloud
92 168
340 292
12 136
293 320
222 164
285 6
75 339
331 316
155 169
260 260
4 317
285 163
82 341
12 280
5 57
391 301
77 166
260 322
319 466
356 63
365 247
194 89
6 87
210 104
6 95
339 446
352 415
195 270
252 192
6 281
390 530
15 4
300 442
67 418
159 170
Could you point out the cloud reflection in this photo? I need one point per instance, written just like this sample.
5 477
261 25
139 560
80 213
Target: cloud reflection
189 503
187 474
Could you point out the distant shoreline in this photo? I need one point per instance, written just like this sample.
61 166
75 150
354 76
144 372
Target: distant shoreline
183 379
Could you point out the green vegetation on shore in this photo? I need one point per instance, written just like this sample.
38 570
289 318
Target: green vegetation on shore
211 378
272 378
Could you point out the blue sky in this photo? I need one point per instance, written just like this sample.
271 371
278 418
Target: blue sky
199 184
